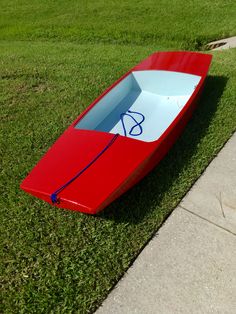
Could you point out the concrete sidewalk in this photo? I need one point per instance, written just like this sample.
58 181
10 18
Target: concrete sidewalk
190 265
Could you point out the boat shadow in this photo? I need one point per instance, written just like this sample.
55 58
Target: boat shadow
150 193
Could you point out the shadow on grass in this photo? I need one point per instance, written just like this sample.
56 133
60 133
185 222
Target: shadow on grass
138 202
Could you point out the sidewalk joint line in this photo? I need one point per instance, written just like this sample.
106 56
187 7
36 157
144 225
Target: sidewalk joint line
214 224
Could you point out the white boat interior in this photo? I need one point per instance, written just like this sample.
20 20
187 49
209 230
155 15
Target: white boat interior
142 105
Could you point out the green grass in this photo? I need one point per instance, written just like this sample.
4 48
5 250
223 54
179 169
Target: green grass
178 23
55 58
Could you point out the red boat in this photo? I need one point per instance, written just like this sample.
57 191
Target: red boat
122 135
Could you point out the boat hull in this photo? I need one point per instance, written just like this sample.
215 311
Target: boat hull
125 162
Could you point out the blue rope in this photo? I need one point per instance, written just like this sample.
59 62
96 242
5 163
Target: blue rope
54 198
138 124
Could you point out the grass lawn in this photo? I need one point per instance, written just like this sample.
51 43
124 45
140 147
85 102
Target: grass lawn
55 58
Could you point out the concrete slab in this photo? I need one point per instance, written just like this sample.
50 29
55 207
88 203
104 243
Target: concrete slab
213 196
225 43
189 267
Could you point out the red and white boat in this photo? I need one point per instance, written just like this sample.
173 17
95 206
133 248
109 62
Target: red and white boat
122 135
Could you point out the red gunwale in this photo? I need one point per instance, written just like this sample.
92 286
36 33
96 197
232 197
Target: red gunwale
147 64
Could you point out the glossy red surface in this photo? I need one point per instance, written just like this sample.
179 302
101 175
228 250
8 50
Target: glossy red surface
125 162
